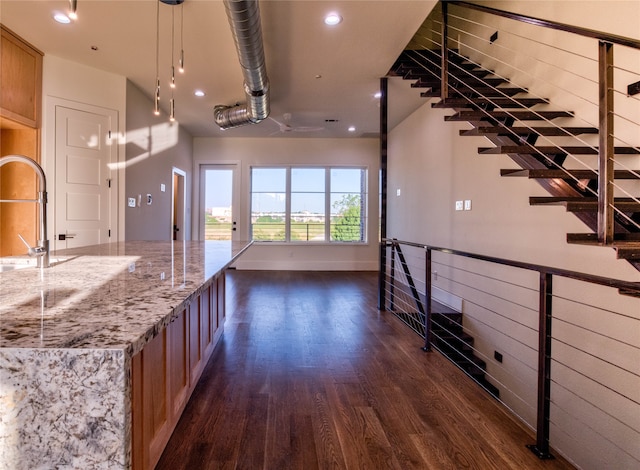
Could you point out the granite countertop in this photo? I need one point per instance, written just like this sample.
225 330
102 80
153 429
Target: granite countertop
111 296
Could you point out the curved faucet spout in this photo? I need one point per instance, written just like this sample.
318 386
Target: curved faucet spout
42 250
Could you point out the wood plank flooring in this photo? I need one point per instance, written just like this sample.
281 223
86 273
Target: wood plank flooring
309 375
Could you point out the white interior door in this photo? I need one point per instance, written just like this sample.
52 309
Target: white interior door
82 178
219 198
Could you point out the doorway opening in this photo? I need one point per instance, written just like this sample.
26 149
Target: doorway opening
178 204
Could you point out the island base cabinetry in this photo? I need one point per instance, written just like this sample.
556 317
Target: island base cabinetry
166 371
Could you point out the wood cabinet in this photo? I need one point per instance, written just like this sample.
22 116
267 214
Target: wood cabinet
166 371
21 80
20 110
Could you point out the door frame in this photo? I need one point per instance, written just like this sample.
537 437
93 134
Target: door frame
178 211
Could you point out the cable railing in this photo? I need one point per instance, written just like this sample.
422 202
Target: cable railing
557 347
571 69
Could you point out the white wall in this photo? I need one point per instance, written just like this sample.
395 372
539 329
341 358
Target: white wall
301 151
433 167
79 85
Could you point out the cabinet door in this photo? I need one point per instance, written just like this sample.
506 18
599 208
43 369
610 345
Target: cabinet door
206 336
178 364
21 78
195 347
222 313
151 420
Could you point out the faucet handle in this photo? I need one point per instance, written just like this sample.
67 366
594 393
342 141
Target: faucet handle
32 251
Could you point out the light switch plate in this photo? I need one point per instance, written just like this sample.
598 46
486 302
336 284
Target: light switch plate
467 204
131 202
163 188
459 205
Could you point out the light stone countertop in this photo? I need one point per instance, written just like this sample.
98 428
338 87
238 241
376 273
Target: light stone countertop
111 296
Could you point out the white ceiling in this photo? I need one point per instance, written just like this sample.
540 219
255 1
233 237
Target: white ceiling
350 57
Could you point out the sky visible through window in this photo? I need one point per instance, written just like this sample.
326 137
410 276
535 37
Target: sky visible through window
218 188
307 185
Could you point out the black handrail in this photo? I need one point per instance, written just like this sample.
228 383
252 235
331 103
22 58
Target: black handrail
586 32
627 286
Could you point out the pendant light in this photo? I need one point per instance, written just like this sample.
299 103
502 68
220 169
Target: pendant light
172 80
172 84
181 69
73 9
156 109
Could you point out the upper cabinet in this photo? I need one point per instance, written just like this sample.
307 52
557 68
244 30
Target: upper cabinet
20 109
20 80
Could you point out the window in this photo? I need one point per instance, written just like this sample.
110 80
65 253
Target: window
308 204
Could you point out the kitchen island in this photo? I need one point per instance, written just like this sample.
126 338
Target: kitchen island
100 352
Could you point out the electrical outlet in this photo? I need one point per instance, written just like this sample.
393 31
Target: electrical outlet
497 356
459 205
467 204
398 192
163 188
132 202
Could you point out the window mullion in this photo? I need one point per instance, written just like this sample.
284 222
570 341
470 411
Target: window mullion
327 204
287 220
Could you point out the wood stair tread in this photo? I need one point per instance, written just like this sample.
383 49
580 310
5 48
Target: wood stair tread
499 102
487 92
566 174
518 115
551 150
585 204
520 131
627 246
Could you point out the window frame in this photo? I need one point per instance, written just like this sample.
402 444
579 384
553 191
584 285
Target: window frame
364 209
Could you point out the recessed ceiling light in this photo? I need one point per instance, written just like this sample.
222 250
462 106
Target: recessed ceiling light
61 18
332 19
352 128
199 93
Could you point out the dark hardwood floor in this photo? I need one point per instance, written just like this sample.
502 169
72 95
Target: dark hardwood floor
309 375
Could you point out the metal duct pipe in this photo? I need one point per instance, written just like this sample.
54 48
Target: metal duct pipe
244 19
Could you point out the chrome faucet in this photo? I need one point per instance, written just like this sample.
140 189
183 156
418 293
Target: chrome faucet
42 249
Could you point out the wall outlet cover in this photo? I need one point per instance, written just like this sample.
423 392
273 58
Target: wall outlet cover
459 205
131 202
467 204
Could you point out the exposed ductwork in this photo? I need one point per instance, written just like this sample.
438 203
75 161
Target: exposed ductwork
244 19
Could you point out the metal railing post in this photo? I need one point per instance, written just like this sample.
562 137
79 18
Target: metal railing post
392 277
541 447
606 150
427 300
444 62
382 276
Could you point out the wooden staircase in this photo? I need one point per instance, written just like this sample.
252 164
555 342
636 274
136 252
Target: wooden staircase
509 118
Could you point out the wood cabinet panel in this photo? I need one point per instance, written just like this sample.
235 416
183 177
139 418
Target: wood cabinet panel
178 364
151 420
195 348
20 79
206 335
